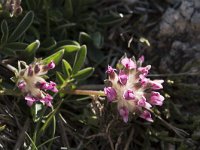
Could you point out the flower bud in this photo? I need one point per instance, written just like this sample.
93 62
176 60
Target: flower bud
144 70
147 116
122 77
156 99
156 84
110 93
51 65
128 63
129 95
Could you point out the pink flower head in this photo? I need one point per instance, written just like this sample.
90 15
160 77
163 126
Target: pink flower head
156 84
144 70
147 116
129 95
128 63
123 111
132 90
110 93
51 65
31 81
122 77
156 99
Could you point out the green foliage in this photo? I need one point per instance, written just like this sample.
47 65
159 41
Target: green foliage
79 35
22 27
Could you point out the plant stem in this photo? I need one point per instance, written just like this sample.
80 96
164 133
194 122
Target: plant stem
85 92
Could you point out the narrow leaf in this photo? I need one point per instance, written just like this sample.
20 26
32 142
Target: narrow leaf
56 57
66 68
48 121
8 52
84 73
59 78
22 27
79 59
67 42
68 8
84 38
33 144
31 48
17 46
48 44
5 32
70 48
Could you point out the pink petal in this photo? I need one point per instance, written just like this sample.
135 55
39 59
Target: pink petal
30 100
51 65
156 99
142 102
110 93
36 69
122 77
143 80
128 94
128 63
110 70
21 85
144 70
30 71
156 84
147 116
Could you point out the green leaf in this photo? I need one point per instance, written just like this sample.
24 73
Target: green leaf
79 59
66 68
8 52
83 74
17 46
70 48
31 48
48 121
97 39
84 38
5 32
33 144
48 44
59 78
67 42
68 8
56 57
22 27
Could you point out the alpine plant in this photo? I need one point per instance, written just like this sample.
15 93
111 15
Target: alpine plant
132 90
32 84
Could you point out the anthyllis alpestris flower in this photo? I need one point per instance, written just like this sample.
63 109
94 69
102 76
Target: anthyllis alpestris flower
32 84
132 90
